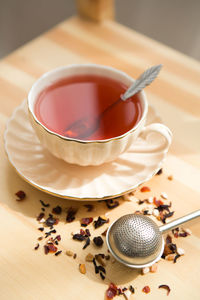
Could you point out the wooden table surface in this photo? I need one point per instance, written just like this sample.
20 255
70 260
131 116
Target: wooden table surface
29 274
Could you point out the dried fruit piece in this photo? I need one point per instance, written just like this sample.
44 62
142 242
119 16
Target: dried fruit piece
89 257
50 221
57 210
82 268
99 259
40 216
146 289
100 221
145 189
170 257
166 287
111 292
52 248
86 221
157 202
98 241
79 237
21 195
154 268
71 214
111 203
69 253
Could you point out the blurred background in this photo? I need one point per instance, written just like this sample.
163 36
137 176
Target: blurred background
175 23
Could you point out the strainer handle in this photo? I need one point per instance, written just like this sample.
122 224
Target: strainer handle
180 221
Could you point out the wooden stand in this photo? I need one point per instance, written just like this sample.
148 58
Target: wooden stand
96 10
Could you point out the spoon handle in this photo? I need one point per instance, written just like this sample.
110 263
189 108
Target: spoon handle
179 221
145 79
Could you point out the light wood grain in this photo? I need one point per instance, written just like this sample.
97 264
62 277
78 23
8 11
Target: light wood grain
29 274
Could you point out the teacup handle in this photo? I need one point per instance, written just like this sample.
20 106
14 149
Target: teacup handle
160 129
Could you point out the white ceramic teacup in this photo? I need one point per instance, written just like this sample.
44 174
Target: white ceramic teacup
93 152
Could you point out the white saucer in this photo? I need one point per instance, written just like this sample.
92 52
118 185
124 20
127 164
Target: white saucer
52 175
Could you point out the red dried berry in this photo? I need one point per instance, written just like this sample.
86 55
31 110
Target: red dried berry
146 289
21 195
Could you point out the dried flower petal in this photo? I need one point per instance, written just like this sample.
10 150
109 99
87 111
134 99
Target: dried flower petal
87 243
99 222
104 232
52 248
86 221
166 287
157 202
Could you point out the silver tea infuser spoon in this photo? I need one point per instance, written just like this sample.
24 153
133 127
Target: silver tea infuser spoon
136 240
86 126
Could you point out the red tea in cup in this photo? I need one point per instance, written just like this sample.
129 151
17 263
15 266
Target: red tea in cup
73 98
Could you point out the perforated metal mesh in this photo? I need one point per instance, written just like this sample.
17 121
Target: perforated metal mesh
135 239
